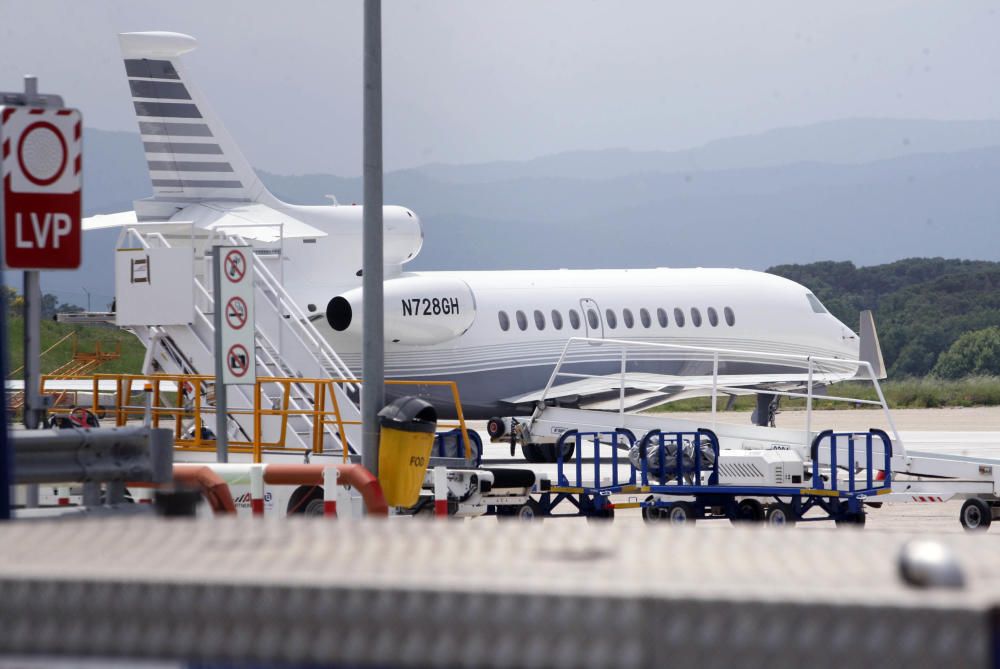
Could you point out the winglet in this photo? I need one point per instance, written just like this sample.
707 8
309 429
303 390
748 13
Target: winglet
869 349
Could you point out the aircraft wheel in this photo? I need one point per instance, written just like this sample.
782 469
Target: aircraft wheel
748 511
975 515
781 515
680 513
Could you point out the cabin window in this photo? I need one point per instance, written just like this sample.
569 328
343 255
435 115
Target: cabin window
644 317
557 320
593 320
539 320
522 320
696 317
661 317
504 321
730 316
816 305
574 319
610 319
679 317
629 320
713 316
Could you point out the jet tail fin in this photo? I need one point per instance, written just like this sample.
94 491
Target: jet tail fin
190 155
869 348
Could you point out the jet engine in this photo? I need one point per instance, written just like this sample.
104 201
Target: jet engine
419 310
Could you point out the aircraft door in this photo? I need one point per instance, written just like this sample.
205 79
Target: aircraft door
593 324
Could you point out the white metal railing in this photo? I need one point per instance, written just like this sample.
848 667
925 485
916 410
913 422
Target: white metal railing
271 354
813 368
299 322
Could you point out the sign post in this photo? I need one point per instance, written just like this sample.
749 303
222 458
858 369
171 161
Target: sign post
235 362
40 206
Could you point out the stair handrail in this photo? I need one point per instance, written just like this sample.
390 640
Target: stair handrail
322 347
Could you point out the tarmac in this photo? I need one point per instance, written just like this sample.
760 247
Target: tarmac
977 428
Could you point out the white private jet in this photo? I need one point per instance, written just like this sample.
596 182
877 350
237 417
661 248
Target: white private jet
496 333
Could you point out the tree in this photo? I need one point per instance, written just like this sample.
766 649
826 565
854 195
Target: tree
975 353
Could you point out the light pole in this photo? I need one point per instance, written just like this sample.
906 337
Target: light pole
373 345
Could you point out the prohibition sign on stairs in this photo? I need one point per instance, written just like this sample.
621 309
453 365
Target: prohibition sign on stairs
235 266
236 312
238 360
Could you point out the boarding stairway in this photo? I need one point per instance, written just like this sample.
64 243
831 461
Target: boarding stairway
287 345
926 465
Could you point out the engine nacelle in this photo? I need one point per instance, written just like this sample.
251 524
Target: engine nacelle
418 310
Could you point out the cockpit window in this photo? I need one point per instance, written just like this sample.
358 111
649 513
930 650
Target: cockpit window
816 305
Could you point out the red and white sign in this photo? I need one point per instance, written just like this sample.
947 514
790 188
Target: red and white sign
238 361
236 325
236 313
235 265
41 171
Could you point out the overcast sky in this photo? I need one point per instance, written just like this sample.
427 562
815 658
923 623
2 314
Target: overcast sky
476 81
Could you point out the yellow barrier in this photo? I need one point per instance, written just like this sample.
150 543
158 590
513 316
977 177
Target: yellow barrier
189 399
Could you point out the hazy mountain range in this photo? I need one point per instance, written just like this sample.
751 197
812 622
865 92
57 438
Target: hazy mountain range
868 191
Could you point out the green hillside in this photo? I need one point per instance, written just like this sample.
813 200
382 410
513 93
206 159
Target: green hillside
87 338
922 306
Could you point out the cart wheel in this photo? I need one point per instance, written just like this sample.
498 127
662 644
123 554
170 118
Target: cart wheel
680 513
852 518
601 516
529 511
496 428
781 515
532 453
548 451
748 511
975 515
652 514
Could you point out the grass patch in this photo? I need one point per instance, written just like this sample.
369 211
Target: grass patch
924 393
87 337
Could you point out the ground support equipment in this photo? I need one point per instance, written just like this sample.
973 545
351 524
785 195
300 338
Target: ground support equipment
685 490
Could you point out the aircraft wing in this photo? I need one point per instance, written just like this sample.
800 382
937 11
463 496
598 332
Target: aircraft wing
648 390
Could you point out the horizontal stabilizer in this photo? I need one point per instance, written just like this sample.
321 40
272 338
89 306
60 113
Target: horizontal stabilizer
105 221
248 220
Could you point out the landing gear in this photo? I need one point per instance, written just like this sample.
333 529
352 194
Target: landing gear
976 515
767 408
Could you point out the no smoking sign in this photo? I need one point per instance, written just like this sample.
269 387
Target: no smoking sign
235 333
41 170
